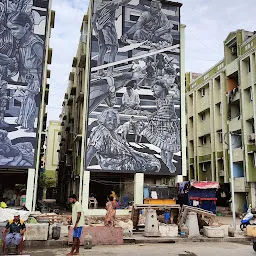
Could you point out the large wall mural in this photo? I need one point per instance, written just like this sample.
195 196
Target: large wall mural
22 36
134 100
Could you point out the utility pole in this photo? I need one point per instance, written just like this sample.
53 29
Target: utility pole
232 181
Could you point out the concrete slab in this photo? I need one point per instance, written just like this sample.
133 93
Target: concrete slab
36 232
214 232
100 235
168 230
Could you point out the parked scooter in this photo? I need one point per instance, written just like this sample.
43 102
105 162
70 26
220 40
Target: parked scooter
246 219
254 245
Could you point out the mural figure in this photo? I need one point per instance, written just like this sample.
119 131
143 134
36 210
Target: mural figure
20 154
6 41
112 152
28 106
163 129
103 23
19 6
152 25
130 99
21 68
29 54
9 155
131 126
3 102
160 63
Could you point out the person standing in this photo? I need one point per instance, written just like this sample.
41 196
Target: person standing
110 216
27 113
78 223
103 23
3 102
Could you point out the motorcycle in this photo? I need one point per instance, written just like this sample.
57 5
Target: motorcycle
246 219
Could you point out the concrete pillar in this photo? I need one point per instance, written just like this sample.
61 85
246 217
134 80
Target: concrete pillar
253 198
30 188
183 104
138 188
85 191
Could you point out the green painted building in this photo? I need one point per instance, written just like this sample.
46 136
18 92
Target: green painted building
220 101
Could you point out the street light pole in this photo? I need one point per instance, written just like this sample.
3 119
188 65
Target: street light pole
232 181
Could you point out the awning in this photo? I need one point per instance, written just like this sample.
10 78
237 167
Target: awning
205 185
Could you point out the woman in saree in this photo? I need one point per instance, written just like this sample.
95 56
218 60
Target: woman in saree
111 207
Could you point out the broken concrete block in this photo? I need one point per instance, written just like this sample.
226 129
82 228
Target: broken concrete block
168 230
214 232
36 232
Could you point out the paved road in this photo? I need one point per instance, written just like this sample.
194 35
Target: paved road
178 249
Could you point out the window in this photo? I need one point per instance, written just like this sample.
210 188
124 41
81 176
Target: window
221 137
221 109
249 66
202 116
203 92
204 140
254 159
251 94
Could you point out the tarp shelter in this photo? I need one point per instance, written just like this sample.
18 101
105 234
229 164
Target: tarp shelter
200 194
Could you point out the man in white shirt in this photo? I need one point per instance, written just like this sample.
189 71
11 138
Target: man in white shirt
130 99
78 223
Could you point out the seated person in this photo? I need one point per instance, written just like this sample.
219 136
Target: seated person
130 99
17 229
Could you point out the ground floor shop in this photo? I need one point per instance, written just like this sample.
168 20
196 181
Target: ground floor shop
128 188
17 188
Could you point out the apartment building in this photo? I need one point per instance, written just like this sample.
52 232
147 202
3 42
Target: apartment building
90 95
219 102
51 158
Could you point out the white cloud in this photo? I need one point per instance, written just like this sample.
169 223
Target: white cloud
208 23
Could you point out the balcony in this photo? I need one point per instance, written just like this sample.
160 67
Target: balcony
217 96
235 124
82 61
237 96
203 127
232 67
72 76
218 123
248 111
203 103
74 63
239 184
237 155
190 134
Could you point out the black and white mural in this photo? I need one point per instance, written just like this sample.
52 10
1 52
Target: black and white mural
22 36
134 100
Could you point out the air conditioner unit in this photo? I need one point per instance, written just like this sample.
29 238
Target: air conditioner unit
233 50
204 168
252 137
83 38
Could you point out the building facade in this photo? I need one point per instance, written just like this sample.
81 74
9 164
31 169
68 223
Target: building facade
99 88
219 102
24 94
51 154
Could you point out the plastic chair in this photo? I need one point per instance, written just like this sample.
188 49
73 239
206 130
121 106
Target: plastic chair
20 246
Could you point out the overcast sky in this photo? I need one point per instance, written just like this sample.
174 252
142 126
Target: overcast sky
208 23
